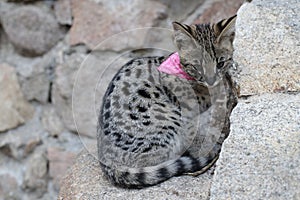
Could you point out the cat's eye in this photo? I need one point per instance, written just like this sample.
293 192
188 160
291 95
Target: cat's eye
220 64
192 68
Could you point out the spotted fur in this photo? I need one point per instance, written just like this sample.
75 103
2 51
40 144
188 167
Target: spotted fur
148 125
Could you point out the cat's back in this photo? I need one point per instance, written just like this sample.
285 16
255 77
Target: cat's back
142 121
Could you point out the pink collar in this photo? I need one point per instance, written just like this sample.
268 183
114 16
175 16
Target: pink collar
172 66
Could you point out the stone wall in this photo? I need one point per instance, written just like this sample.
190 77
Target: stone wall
260 158
49 89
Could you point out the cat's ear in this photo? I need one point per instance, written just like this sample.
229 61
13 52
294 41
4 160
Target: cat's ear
183 28
224 31
184 38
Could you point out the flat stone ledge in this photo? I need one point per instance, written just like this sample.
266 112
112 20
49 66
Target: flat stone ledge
261 157
85 180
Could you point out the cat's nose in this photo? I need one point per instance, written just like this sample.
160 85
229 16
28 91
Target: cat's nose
211 80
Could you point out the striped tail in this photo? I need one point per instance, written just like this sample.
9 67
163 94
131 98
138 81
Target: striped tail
147 176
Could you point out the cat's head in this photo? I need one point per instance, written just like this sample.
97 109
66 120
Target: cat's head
205 50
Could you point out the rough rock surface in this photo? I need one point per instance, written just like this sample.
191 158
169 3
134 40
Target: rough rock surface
36 174
108 19
85 180
9 187
51 121
32 31
268 46
59 161
63 12
261 156
218 10
20 142
14 109
34 76
74 90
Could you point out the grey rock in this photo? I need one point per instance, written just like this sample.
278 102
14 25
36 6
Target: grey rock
14 109
76 90
63 12
35 76
85 180
51 121
217 10
179 10
9 188
59 161
31 31
260 158
35 178
106 18
267 46
20 142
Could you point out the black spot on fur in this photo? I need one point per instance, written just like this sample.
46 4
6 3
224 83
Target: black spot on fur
160 59
195 164
163 173
147 149
129 63
117 136
134 149
147 85
127 142
140 144
176 123
133 116
106 132
125 148
180 167
141 178
147 123
159 89
170 134
142 109
144 93
107 104
176 112
107 115
156 94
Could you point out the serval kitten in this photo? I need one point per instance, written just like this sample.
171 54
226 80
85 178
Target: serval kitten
149 121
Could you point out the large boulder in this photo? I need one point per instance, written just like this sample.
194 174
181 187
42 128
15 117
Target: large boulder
267 44
259 159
